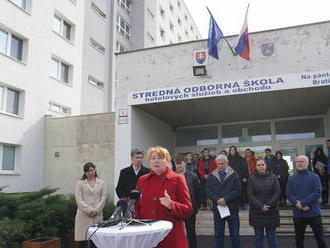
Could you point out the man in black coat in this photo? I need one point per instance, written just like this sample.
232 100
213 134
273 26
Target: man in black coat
130 175
196 194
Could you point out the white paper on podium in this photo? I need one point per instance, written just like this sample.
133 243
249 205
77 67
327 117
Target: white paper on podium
224 211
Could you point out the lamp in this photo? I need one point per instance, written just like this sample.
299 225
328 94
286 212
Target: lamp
199 70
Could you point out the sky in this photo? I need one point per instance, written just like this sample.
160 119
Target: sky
263 14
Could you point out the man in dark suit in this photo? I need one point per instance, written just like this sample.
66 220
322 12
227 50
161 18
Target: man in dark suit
196 194
130 175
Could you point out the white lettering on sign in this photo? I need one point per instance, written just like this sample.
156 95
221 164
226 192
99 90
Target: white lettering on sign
258 85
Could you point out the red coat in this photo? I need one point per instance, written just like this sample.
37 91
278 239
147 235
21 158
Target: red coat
200 168
152 188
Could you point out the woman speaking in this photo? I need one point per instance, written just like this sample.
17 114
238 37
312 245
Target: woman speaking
165 196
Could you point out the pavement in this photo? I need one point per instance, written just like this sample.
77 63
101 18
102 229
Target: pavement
248 242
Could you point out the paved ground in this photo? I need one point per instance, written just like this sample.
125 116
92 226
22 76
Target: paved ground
248 242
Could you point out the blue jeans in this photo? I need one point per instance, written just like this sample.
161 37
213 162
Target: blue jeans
219 229
270 234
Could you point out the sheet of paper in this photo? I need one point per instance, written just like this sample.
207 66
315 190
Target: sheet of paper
224 211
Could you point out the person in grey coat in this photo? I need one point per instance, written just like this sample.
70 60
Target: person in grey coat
264 192
196 197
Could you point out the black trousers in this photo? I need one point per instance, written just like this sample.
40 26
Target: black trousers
315 223
191 230
84 244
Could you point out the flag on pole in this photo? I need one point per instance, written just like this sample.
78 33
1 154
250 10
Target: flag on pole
243 45
215 35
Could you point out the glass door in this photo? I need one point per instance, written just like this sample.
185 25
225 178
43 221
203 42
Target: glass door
289 154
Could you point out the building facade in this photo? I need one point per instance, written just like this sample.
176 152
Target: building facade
57 58
279 99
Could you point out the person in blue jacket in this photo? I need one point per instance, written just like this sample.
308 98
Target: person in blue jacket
223 188
304 192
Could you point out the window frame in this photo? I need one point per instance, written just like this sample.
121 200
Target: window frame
123 30
118 45
96 45
59 75
67 110
4 101
2 171
95 82
127 7
63 22
8 45
98 11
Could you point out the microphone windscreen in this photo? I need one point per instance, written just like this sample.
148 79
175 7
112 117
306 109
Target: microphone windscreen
122 203
135 194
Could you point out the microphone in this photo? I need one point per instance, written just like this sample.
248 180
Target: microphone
134 197
117 216
120 209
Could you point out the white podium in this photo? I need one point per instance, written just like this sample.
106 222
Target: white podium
132 236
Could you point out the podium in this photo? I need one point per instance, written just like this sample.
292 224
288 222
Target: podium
132 236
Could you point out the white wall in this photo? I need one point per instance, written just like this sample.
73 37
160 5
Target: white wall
149 131
32 78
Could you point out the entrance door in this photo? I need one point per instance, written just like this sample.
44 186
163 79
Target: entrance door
289 154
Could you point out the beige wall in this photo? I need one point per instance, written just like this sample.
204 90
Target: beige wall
77 140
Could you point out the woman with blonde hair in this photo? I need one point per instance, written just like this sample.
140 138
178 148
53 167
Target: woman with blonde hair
164 196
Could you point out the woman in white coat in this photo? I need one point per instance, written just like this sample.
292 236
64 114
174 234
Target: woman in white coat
91 194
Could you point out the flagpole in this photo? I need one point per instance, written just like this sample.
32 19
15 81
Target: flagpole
231 49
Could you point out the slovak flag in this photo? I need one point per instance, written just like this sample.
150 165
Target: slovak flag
243 46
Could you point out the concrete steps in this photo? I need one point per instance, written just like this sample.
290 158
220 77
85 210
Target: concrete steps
204 223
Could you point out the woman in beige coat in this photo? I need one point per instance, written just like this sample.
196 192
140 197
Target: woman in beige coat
91 194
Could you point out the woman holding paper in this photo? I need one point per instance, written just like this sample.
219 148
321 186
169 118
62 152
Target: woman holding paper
264 193
320 168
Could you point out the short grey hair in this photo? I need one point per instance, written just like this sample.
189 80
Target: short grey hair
304 157
221 156
136 151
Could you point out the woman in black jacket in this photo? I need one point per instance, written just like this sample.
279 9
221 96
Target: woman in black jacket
281 171
320 167
238 164
264 193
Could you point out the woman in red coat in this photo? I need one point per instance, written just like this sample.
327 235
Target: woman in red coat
165 196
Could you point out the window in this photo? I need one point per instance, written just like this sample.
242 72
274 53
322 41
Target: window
150 13
98 11
162 33
179 21
171 7
150 36
179 38
186 17
7 157
162 11
123 27
60 70
119 47
300 129
242 133
20 3
97 45
62 27
92 80
179 4
172 26
9 100
126 5
59 108
197 136
11 45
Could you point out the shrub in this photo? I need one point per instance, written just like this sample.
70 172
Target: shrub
37 214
